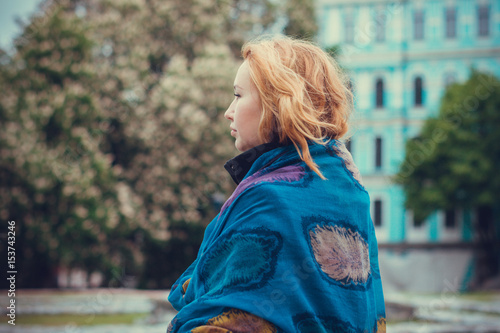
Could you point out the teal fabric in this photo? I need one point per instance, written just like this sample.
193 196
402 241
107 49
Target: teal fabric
291 248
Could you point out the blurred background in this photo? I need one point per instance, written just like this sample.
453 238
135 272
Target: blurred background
112 141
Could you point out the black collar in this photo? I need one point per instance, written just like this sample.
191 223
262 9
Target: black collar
239 166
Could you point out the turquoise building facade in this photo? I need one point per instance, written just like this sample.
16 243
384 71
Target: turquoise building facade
400 57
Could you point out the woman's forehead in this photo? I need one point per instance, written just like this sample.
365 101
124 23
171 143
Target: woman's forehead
242 79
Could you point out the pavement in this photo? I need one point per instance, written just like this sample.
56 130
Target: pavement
443 313
406 312
90 303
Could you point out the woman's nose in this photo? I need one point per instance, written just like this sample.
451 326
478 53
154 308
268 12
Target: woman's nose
229 112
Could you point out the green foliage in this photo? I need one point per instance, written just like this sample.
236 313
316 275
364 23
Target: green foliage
334 51
54 178
454 162
166 261
301 23
112 133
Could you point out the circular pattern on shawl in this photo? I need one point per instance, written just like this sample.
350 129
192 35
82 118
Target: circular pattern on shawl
236 320
243 260
341 253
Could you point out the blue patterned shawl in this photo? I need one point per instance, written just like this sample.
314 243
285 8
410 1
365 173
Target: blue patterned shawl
288 252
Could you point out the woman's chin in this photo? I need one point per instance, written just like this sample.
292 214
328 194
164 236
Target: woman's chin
240 149
240 146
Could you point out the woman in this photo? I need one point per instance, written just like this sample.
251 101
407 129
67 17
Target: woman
293 249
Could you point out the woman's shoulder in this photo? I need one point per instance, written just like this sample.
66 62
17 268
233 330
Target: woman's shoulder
345 166
267 187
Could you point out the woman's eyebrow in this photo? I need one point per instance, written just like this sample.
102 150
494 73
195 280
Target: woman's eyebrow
237 86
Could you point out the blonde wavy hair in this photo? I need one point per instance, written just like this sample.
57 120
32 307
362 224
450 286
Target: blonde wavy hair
303 92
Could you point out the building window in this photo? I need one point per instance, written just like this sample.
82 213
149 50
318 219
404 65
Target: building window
379 93
416 223
349 29
449 79
418 25
377 213
380 27
418 91
451 23
450 219
483 20
378 152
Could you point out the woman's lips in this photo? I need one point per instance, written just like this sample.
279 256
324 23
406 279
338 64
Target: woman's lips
233 132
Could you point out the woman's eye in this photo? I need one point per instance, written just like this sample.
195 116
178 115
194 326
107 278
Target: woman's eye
237 95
